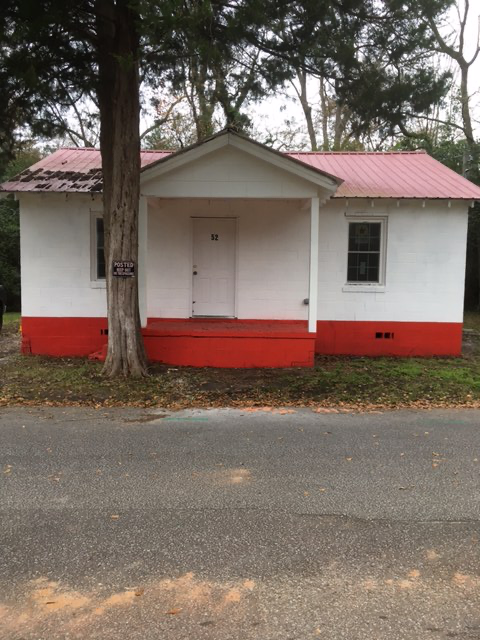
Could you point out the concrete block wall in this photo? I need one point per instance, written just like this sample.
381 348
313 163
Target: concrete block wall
272 262
425 262
425 259
55 257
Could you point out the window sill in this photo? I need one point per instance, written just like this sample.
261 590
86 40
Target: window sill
364 288
98 284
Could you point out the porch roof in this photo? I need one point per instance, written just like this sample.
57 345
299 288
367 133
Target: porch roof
396 175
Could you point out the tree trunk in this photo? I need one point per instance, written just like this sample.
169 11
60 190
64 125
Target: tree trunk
471 158
204 115
324 105
118 95
470 162
307 109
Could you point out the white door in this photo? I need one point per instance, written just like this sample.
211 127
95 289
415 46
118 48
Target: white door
213 267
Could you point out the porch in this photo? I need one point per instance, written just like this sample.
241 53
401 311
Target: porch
228 257
230 343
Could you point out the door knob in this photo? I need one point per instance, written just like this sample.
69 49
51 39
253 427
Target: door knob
195 273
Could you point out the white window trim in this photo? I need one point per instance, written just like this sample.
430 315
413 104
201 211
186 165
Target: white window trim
95 283
369 287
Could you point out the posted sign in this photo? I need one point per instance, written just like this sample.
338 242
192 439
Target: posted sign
123 269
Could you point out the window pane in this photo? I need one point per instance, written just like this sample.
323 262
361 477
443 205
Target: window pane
363 267
100 249
364 236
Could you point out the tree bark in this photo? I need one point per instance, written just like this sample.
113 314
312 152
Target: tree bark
324 116
118 95
204 115
307 109
471 160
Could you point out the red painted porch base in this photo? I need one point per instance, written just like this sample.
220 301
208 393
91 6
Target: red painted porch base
394 338
247 343
190 342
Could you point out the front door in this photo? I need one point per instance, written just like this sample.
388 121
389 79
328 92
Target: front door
214 267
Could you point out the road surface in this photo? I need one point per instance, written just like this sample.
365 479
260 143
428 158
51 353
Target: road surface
242 525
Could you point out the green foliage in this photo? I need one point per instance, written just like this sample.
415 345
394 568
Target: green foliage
41 64
442 144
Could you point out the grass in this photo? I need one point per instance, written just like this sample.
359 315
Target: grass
341 383
11 319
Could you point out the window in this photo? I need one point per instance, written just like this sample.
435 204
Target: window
100 249
97 251
365 252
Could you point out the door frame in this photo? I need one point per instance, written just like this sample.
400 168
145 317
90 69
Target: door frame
235 264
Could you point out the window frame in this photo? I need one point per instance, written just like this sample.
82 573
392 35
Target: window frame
95 281
365 285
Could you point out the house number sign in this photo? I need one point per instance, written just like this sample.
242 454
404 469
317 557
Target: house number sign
123 269
214 236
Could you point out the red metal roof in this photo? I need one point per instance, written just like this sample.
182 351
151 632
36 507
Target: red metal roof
77 170
365 175
391 174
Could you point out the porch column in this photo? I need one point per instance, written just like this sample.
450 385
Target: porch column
142 259
313 284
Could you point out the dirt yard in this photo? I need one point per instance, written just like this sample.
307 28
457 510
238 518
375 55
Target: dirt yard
334 384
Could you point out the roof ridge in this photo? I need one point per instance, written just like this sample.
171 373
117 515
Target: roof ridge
311 153
97 149
77 149
358 153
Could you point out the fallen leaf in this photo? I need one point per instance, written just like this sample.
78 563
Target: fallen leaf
349 459
140 592
407 488
305 493
114 517
434 465
174 611
7 469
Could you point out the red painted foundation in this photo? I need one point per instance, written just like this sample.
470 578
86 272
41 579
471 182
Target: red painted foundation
246 343
63 336
189 342
230 343
389 338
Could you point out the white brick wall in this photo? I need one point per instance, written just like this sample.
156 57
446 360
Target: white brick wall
55 257
272 257
425 263
425 259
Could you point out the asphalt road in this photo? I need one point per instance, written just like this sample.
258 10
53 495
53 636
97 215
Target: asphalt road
240 525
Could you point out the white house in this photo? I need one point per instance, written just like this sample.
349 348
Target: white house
250 257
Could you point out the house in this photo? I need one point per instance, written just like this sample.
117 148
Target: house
251 257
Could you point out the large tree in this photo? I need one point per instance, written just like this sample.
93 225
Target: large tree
58 51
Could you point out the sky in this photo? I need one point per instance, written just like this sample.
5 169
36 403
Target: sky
275 110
